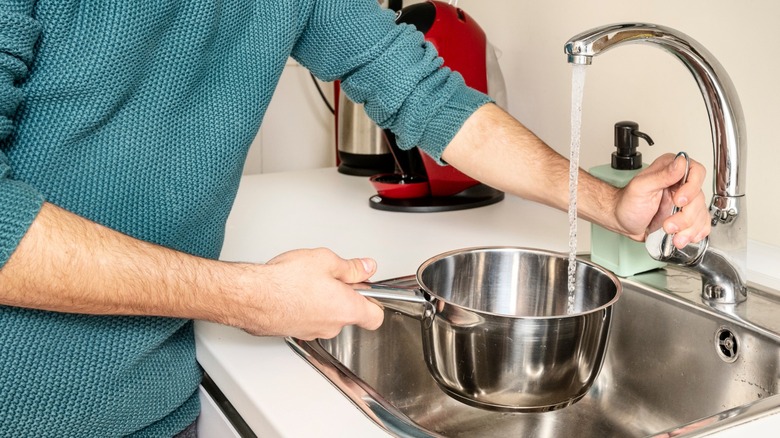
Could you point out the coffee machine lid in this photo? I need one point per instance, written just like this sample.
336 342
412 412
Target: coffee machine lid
420 15
458 38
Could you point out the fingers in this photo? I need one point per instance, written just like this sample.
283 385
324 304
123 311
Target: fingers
689 224
368 315
692 187
373 315
362 312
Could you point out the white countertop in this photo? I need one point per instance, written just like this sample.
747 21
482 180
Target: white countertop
276 392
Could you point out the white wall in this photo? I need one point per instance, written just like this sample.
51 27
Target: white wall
298 130
639 83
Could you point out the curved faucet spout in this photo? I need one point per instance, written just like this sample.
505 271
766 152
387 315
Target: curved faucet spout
720 97
728 207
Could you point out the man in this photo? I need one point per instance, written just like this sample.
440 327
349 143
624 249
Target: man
123 130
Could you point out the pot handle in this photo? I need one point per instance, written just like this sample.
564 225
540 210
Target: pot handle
395 295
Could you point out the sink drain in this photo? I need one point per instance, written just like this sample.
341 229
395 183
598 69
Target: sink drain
726 344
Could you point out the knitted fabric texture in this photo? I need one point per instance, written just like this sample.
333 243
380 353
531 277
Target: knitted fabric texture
138 115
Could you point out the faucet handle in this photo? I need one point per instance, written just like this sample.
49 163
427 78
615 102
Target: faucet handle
660 247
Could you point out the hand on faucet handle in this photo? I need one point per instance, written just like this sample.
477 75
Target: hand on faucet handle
646 202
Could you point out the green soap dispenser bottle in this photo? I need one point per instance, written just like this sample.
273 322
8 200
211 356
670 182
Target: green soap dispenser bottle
618 253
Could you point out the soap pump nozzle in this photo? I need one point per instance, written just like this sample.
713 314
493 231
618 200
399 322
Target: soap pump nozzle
627 157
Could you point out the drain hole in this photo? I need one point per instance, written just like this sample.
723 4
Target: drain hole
727 344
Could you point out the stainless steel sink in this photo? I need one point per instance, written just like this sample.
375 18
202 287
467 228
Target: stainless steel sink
674 367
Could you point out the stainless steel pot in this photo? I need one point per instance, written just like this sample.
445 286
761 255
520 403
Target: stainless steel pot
496 327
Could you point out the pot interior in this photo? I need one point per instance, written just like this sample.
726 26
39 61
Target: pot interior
516 282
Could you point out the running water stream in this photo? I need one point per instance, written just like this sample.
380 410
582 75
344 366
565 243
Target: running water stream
577 91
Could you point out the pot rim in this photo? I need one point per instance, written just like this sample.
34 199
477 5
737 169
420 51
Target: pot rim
609 274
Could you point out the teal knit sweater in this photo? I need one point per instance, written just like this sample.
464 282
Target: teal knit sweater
138 115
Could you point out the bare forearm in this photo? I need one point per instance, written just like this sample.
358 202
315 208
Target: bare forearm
495 149
68 264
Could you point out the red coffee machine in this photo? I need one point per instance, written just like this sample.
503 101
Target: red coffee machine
423 184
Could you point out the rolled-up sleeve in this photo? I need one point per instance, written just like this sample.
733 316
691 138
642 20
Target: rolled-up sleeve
388 68
19 203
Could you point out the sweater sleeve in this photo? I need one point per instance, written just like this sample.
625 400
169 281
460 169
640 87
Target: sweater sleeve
390 69
19 203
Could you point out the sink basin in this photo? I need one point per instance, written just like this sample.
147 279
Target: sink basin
674 367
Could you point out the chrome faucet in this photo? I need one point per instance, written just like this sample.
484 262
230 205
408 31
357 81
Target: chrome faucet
721 258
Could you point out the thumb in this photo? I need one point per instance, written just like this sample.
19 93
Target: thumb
665 172
355 270
675 172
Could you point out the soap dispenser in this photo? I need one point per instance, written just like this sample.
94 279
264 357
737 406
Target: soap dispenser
618 253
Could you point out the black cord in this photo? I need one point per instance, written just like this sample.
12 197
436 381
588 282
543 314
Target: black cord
322 95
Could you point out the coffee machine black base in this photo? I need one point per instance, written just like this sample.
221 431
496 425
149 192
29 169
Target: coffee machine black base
479 195
365 165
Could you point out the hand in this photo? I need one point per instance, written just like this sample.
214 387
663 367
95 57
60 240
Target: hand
645 204
306 294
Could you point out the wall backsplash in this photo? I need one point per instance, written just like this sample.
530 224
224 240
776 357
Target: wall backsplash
645 84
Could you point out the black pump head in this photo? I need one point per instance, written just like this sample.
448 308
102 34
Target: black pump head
627 157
